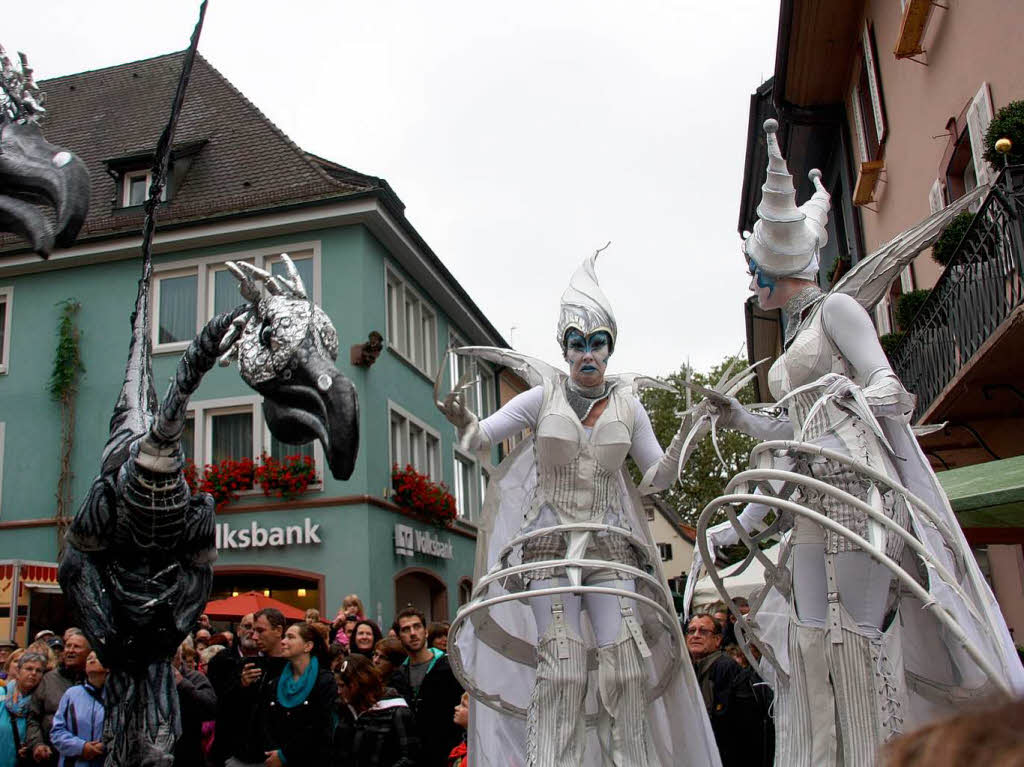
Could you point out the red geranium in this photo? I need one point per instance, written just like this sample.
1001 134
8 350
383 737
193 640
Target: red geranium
426 500
286 478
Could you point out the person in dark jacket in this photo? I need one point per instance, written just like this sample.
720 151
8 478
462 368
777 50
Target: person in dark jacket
224 673
47 697
426 681
299 716
249 696
198 703
728 694
375 725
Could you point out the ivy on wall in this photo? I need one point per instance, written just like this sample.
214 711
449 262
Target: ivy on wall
63 388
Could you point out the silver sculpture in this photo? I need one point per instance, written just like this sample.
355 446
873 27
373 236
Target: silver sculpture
32 170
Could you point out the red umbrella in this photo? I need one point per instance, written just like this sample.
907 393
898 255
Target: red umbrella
250 602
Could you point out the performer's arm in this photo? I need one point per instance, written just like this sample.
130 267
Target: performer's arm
848 326
521 412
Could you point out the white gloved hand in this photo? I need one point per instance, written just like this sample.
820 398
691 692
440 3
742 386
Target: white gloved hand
454 409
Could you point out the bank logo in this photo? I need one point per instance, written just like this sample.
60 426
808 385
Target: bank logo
409 542
404 540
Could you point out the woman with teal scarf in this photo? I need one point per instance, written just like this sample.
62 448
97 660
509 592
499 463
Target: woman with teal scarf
15 699
299 717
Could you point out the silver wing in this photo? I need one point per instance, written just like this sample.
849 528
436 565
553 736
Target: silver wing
869 280
530 369
638 382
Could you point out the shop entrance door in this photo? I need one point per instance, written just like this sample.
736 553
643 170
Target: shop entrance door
424 590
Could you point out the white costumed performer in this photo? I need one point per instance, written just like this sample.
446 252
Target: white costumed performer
570 645
877 618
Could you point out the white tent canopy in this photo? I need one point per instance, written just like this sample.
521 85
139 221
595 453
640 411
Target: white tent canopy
742 585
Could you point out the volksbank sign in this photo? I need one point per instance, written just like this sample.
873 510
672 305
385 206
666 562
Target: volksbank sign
409 541
256 537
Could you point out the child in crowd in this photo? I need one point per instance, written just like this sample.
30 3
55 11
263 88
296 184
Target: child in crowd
77 732
458 756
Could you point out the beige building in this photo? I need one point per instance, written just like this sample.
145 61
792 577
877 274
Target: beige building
674 539
892 101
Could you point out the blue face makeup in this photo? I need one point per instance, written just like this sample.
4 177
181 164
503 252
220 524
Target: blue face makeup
596 344
763 280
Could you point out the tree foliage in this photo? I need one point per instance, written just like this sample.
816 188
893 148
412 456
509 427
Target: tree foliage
704 477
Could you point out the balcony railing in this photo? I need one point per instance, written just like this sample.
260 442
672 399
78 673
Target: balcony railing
979 289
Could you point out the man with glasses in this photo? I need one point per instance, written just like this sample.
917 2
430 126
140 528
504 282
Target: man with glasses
225 672
726 690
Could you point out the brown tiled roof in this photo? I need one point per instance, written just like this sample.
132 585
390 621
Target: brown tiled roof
245 164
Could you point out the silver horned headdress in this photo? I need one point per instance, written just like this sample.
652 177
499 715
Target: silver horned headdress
786 238
265 339
584 306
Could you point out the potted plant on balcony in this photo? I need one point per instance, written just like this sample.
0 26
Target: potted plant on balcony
1007 123
424 499
907 307
288 477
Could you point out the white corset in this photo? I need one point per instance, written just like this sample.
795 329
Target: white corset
808 358
575 471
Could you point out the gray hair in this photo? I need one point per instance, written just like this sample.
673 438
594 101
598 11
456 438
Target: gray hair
33 657
710 617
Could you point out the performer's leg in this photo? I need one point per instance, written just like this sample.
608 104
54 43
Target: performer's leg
867 675
555 729
805 710
622 678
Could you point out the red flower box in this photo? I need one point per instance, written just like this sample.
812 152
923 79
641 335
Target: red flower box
424 499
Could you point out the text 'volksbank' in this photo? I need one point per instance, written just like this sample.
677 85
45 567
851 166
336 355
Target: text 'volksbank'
255 536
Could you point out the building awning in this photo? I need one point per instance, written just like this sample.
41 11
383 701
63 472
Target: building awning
987 494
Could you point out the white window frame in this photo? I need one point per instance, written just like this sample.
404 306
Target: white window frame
202 411
485 379
874 96
126 186
432 457
421 351
7 296
470 515
204 269
665 551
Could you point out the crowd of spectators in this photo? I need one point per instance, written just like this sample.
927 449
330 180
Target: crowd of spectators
270 692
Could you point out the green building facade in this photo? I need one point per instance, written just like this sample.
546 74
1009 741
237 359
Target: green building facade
361 261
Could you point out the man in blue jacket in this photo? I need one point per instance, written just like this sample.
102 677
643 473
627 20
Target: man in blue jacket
77 732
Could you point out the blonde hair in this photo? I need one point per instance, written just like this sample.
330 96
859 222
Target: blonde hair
44 649
353 599
312 615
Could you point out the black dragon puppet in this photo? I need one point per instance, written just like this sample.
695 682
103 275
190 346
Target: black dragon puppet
138 566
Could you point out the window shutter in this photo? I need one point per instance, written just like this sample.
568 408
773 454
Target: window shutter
871 64
979 115
906 280
882 321
862 144
936 199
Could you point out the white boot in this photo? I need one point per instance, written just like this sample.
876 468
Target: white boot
622 683
555 731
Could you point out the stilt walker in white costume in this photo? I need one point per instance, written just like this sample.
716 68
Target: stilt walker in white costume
570 645
877 618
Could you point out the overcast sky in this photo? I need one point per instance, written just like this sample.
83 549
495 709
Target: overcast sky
520 135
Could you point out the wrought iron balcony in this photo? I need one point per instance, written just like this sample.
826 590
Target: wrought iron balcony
979 289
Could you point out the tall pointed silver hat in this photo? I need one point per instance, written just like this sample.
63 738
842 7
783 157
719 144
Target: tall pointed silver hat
786 238
584 306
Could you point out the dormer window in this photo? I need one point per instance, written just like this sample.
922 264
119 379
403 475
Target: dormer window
136 188
133 175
